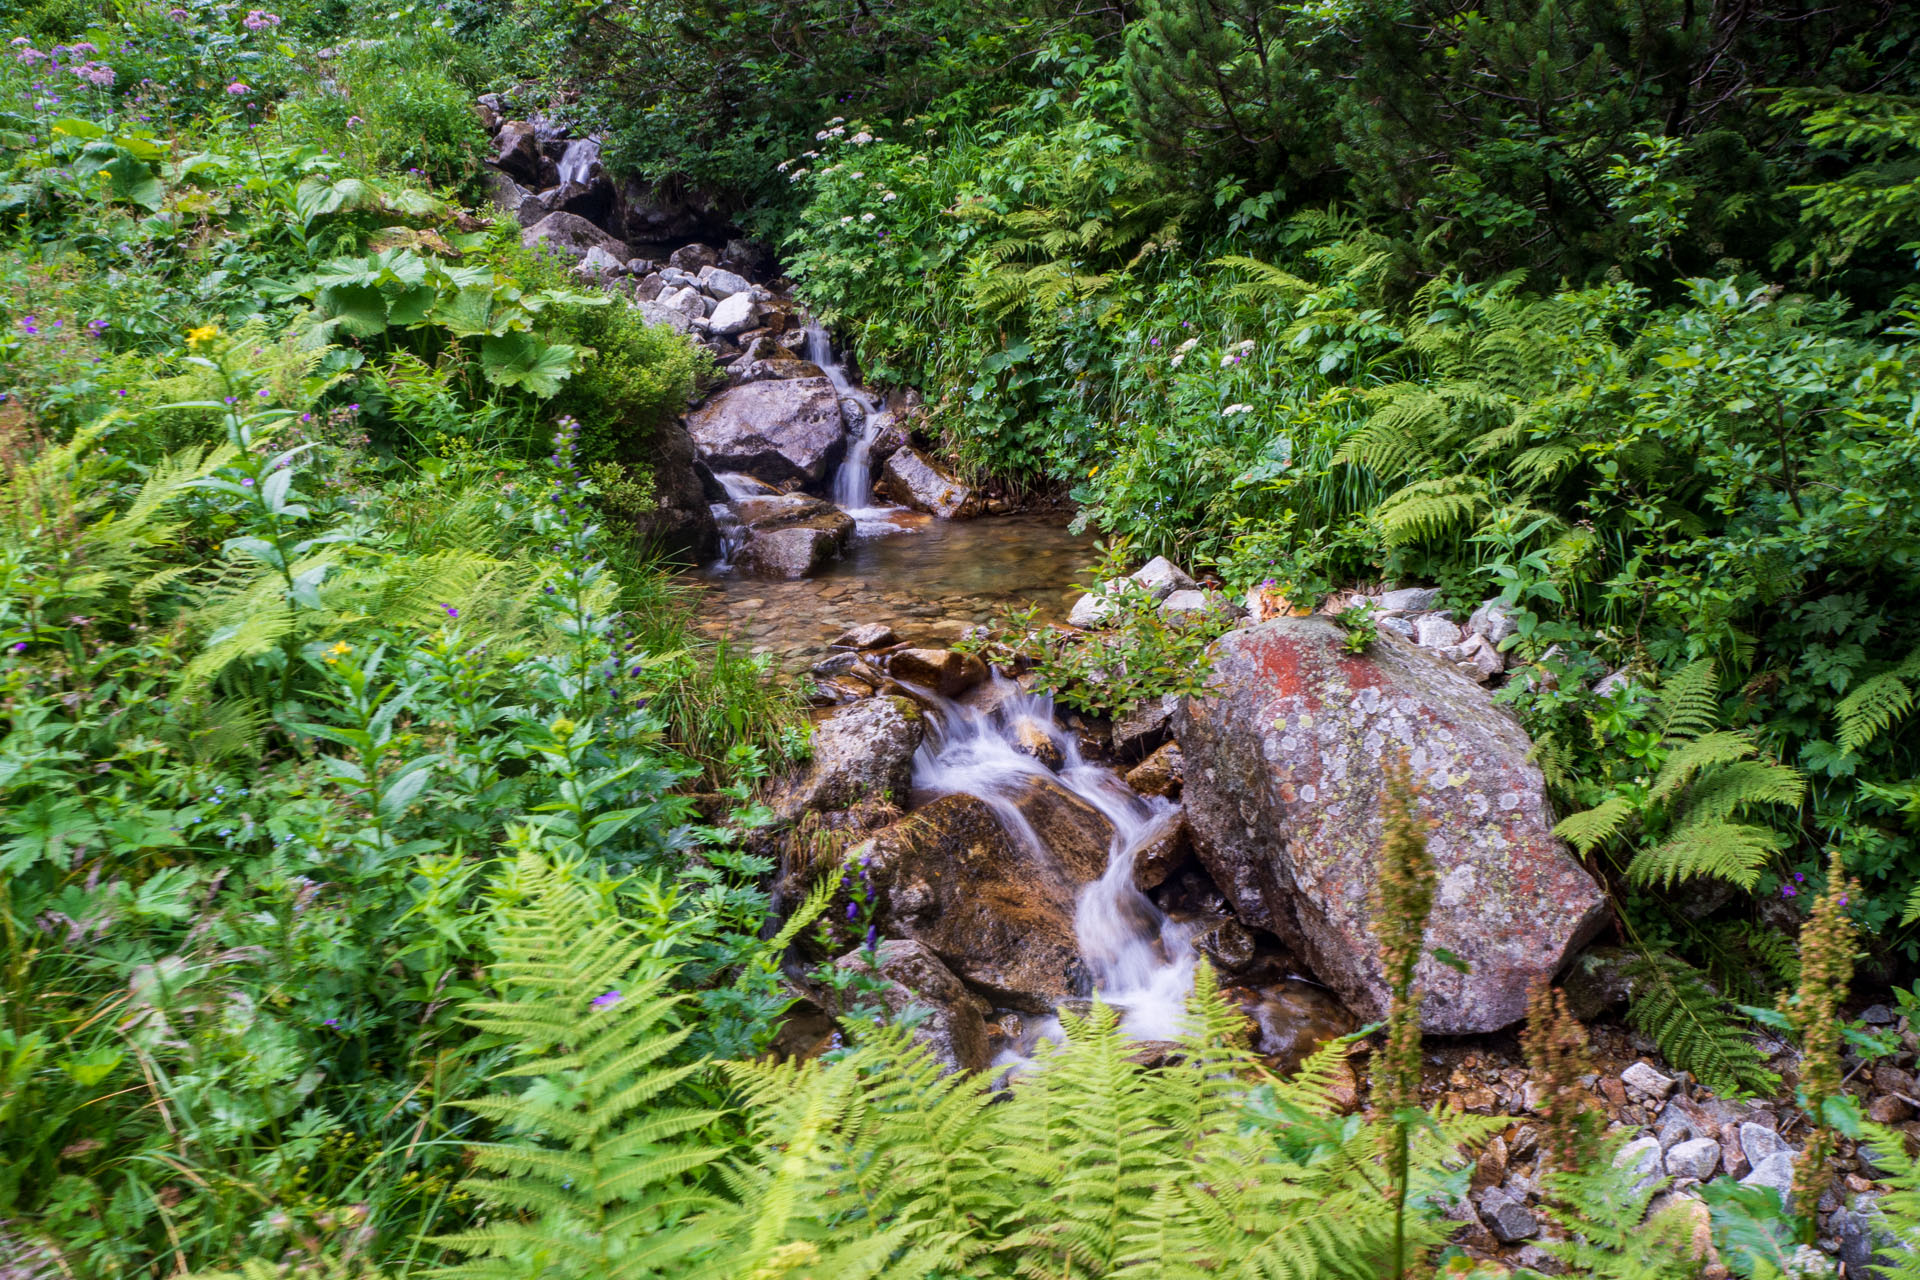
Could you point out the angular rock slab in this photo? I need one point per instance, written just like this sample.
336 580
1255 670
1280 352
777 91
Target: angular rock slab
911 974
912 481
573 235
774 431
1283 762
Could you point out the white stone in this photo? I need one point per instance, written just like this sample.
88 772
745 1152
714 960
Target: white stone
1648 1081
688 302
1410 599
1436 633
1491 620
1642 1156
1162 577
1399 626
734 315
598 262
720 283
1775 1171
1696 1158
1760 1143
1090 610
1610 684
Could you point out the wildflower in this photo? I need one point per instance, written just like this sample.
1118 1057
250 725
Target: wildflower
354 122
20 646
247 483
19 41
98 327
844 221
836 120
451 611
861 139
121 392
30 324
260 20
889 197
866 217
858 175
853 911
178 15
796 175
607 999
236 89
86 48
783 166
205 333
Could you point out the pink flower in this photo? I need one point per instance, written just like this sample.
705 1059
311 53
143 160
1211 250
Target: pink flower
236 89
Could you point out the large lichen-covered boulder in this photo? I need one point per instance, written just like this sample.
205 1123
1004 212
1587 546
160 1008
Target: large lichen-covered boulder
572 235
776 431
998 912
1283 761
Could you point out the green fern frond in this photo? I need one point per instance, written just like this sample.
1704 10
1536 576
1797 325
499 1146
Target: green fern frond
1689 702
1743 787
1736 852
1606 1233
1871 709
1592 828
1897 1212
1694 755
1694 1027
1428 508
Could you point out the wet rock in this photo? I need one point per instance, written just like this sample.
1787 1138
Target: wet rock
598 264
913 975
912 481
796 551
506 195
681 522
572 235
1076 836
1145 726
1293 1018
1696 1158
692 257
1031 738
1410 599
590 200
864 752
774 431
777 510
1090 610
1161 849
516 152
687 300
749 370
1160 774
997 914
1867 1247
734 314
1192 605
1490 1168
1226 944
1283 779
892 439
1436 633
948 672
868 635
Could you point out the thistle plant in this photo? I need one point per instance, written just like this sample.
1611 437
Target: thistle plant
1402 900
1826 973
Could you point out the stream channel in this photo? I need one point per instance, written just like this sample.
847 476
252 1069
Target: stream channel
930 580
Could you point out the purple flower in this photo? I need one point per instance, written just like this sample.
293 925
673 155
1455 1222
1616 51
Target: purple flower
178 15
98 327
246 484
330 1022
451 611
236 89
1843 900
20 646
1156 342
853 911
1787 891
608 999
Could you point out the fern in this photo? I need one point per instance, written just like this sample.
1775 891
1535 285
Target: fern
1871 709
1736 852
1691 1023
1898 1211
1607 1233
601 1179
1689 702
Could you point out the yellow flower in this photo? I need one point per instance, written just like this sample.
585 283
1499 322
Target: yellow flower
1093 473
205 333
341 647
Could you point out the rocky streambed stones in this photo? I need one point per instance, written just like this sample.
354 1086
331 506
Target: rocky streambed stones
1283 763
780 431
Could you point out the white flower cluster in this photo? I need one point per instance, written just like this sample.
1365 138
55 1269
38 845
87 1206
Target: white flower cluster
838 131
1180 352
1232 409
861 139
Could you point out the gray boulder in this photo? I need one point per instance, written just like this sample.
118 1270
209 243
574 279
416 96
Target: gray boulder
1493 621
777 431
573 235
1283 762
1410 599
599 264
1696 1158
798 551
911 975
912 481
655 314
721 283
516 152
692 257
863 752
1437 632
681 522
1162 577
735 313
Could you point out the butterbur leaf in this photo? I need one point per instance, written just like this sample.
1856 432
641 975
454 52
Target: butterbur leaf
361 309
131 181
522 360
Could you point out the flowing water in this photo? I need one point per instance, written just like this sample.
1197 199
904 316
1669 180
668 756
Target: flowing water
578 161
1141 959
930 580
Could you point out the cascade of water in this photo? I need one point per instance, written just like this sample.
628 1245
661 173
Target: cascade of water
853 482
577 162
1141 960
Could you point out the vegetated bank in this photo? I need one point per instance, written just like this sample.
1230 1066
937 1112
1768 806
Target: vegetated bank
352 757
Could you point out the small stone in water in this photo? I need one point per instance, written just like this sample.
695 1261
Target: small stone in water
870 635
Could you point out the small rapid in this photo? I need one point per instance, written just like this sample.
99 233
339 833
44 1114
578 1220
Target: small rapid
1142 960
853 482
579 162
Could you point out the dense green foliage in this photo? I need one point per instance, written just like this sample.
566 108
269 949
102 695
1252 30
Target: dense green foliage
358 910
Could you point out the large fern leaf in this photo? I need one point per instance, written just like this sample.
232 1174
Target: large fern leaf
1694 1027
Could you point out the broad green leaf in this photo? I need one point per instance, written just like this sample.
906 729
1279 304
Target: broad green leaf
522 360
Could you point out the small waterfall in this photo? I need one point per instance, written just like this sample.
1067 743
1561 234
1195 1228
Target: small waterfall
579 160
1141 960
853 482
